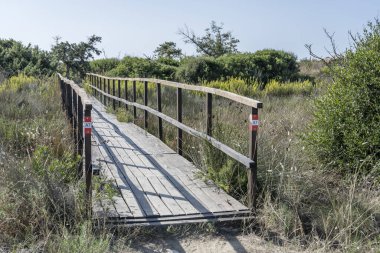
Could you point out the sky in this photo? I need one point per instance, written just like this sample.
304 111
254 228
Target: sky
137 27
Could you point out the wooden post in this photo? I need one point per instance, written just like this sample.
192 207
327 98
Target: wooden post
108 91
252 171
209 114
97 86
134 100
113 94
87 155
102 89
179 118
70 104
75 118
146 104
159 108
126 93
80 136
118 92
63 90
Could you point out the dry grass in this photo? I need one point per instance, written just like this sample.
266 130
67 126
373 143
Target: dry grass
41 204
300 201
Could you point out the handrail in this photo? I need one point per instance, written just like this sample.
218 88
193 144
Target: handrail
232 96
78 106
101 86
229 151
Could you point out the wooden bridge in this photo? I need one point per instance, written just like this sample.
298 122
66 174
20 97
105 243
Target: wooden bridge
154 184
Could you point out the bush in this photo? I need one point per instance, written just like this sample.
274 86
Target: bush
102 66
346 129
261 66
141 67
199 69
16 58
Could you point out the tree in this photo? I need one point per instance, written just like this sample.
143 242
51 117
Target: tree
75 56
168 50
214 43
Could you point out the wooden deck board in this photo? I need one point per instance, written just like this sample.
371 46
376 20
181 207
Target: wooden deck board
156 185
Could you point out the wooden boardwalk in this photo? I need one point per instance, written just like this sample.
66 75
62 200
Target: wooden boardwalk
155 185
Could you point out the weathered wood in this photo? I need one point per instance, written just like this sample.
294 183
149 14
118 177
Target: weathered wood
125 93
80 136
146 104
232 96
108 92
159 109
252 170
154 188
217 144
179 119
119 92
88 160
134 100
209 114
113 94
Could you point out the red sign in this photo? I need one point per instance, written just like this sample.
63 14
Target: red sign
253 122
87 125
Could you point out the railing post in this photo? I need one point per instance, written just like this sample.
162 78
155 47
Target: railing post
209 114
108 91
63 93
179 118
118 92
146 104
75 118
126 93
134 100
252 171
113 94
102 88
80 136
159 108
87 154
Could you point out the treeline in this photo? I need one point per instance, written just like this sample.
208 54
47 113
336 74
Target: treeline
260 66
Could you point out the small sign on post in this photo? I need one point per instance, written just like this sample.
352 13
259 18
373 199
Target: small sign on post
253 122
87 125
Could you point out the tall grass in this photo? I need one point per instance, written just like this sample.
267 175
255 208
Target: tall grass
298 200
41 202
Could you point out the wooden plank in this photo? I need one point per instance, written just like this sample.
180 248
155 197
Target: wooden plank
136 188
206 201
111 171
141 175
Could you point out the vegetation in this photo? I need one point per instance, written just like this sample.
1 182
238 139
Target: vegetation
16 58
41 203
75 56
214 43
319 142
345 132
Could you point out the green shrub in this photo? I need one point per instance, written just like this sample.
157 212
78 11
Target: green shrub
141 67
16 58
199 69
346 129
102 66
261 66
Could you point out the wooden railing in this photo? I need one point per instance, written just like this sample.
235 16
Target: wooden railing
101 86
78 108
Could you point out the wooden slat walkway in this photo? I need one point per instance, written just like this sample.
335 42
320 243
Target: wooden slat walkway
154 184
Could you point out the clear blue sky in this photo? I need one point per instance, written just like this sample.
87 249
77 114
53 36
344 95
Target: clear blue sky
136 27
